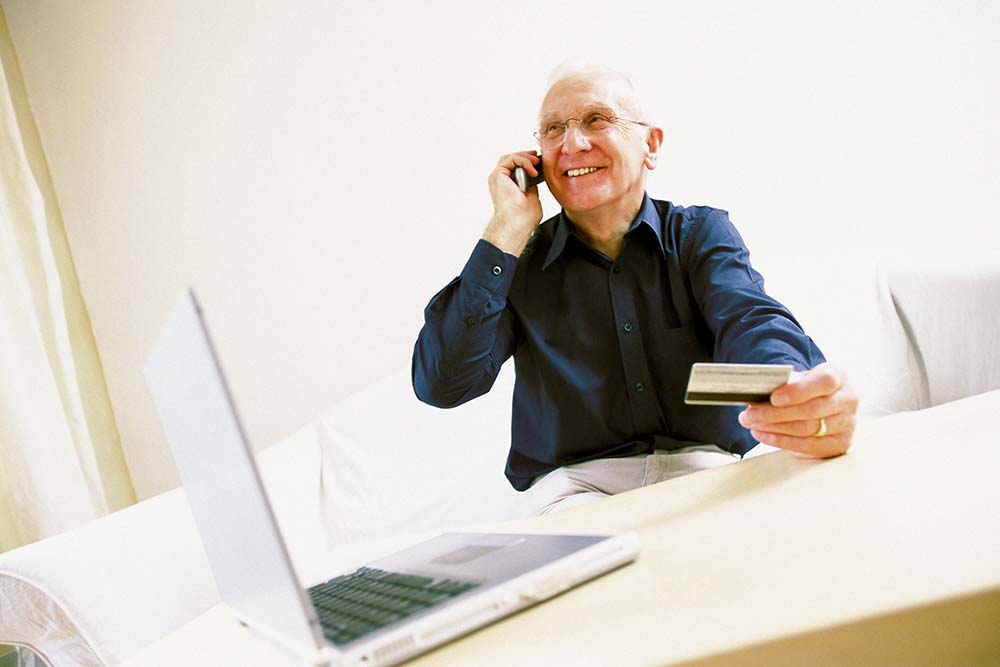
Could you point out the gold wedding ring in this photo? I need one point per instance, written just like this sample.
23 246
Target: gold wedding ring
821 431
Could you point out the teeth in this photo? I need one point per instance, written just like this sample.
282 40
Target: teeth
581 172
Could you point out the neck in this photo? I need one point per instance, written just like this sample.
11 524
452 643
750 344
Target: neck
604 231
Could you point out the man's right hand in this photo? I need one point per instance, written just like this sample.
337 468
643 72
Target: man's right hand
515 213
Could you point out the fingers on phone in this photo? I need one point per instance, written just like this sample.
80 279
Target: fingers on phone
525 159
528 162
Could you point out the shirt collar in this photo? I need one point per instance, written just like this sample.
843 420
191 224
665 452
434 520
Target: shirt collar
647 214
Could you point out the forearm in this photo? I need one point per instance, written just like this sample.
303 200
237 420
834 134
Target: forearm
512 239
752 327
748 324
467 333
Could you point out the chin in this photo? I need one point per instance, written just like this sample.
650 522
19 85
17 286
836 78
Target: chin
581 202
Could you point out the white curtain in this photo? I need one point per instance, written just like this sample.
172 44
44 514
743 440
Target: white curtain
61 461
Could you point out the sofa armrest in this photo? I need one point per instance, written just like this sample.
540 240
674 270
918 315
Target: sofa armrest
97 594
93 595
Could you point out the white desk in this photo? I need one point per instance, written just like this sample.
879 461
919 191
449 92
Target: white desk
887 555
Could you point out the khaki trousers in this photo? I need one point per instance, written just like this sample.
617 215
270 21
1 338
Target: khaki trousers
583 483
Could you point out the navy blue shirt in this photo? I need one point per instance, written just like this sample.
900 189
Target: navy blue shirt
603 349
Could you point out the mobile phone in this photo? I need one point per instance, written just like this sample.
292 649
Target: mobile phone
520 176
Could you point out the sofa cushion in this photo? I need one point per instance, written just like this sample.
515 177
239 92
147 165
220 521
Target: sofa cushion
950 310
842 300
393 465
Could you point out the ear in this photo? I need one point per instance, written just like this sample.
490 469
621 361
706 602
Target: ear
654 140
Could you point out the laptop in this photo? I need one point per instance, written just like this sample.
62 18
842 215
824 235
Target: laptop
383 613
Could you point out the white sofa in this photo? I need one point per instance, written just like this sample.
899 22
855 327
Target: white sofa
365 477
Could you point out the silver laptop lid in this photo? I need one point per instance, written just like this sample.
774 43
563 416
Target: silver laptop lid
244 546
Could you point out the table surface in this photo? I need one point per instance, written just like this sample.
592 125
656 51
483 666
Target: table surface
889 552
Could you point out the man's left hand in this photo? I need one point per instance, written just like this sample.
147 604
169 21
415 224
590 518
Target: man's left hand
814 414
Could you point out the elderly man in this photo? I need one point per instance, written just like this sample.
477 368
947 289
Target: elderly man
604 308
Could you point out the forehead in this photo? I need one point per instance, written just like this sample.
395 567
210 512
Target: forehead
582 92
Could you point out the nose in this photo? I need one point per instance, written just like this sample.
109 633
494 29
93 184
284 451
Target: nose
575 140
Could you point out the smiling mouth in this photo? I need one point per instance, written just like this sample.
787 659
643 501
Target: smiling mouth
583 171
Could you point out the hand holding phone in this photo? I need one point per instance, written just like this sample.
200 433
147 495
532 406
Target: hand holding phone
517 211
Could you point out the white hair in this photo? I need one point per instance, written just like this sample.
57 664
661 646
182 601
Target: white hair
582 67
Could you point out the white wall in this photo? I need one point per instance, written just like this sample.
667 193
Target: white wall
318 169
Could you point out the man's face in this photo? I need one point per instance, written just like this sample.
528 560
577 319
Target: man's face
621 154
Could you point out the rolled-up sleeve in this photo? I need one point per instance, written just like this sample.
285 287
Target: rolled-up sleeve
749 325
468 331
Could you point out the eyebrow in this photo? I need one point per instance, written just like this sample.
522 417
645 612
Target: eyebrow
599 108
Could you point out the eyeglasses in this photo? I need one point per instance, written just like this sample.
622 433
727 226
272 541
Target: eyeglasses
553 133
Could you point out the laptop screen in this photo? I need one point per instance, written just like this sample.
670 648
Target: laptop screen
244 546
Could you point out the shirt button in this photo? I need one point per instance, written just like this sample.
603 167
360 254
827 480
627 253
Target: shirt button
639 386
497 270
627 327
470 320
616 268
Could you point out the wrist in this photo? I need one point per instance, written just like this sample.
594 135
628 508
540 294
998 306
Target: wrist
510 238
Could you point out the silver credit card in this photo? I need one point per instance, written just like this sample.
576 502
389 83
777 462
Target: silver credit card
734 384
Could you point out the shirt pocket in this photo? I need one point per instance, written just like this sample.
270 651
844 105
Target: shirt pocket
673 351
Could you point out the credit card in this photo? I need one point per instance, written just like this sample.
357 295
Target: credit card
734 384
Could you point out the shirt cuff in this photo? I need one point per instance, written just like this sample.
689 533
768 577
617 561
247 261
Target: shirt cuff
490 267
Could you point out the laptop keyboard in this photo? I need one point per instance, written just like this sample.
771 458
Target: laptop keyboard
353 605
